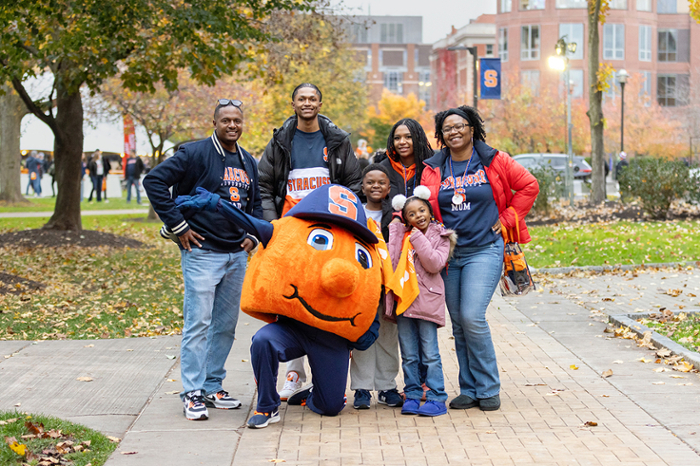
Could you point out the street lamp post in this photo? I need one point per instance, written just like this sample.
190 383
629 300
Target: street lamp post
560 62
622 76
471 50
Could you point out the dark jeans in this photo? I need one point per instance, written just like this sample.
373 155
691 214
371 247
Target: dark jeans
96 187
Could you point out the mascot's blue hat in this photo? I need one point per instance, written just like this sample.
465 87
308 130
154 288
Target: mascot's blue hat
336 204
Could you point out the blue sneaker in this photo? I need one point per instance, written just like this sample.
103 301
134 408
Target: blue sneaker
391 398
410 406
362 399
260 420
433 408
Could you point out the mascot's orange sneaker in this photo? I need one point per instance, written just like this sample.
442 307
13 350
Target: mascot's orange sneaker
291 385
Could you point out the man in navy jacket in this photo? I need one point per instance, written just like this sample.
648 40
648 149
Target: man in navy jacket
214 251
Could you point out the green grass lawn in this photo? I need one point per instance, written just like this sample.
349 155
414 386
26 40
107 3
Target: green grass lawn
117 293
97 292
618 243
46 204
682 328
43 433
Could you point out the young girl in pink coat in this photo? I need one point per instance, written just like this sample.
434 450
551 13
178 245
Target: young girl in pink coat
430 244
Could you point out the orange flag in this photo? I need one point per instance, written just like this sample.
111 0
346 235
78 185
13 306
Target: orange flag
404 282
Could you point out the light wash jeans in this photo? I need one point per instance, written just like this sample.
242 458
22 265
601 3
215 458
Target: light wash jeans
419 344
132 181
213 283
471 277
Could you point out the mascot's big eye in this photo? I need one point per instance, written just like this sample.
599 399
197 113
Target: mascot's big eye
320 239
363 256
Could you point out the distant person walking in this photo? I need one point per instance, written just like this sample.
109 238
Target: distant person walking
97 172
107 166
33 165
621 165
133 168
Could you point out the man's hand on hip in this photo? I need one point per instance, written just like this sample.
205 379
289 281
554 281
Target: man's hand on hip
190 237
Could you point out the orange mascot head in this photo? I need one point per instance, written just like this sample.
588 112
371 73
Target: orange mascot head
320 266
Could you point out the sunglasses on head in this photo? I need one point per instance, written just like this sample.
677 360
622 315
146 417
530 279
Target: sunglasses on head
234 102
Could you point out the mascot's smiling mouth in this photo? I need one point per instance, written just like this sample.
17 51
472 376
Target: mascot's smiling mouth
317 314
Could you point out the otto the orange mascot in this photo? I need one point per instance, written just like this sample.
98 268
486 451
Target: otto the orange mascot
316 280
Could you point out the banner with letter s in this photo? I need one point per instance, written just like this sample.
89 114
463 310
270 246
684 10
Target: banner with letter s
490 78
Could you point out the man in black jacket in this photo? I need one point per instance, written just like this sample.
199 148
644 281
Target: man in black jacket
133 168
308 151
214 251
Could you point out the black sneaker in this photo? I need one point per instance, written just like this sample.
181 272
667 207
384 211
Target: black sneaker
298 398
391 398
463 402
490 404
194 407
221 400
362 399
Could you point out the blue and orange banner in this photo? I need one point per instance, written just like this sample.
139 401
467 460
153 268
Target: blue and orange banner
490 77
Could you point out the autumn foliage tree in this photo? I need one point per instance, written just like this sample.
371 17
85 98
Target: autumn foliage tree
525 122
82 43
650 129
390 109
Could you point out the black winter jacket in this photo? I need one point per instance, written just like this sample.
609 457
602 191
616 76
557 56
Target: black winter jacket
276 162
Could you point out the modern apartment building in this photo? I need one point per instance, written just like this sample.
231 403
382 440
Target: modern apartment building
453 70
655 38
395 57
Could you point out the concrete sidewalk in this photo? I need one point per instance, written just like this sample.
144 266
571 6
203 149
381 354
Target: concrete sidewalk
545 402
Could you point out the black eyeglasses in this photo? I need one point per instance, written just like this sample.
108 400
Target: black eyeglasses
235 103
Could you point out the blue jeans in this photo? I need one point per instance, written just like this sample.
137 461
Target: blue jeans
471 277
419 346
213 283
131 181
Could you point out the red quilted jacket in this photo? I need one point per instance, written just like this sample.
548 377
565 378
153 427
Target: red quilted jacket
505 176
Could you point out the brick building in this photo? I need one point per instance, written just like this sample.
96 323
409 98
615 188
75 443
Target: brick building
656 38
395 57
452 70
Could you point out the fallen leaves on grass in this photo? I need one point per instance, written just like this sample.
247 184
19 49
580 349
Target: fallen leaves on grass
133 296
15 446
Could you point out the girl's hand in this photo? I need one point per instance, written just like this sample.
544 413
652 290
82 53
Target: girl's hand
497 227
414 231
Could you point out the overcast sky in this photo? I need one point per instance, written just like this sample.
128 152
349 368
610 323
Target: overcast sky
438 15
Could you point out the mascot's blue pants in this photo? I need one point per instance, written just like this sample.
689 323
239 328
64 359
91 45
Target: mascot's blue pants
288 339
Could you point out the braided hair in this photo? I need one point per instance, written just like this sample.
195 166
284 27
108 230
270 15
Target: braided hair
421 146
468 113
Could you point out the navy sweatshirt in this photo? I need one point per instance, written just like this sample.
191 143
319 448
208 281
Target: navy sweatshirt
202 163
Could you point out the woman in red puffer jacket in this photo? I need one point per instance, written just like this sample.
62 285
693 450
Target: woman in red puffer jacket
476 191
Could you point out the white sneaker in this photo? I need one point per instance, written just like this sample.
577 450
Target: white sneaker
221 400
194 407
291 385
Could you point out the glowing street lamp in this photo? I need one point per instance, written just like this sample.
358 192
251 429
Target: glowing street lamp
560 62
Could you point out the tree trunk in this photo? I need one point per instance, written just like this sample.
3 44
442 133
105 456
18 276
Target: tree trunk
12 109
68 150
595 107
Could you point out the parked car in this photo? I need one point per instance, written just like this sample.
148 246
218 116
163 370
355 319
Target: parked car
582 171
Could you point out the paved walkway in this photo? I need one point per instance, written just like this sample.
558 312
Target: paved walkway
546 403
